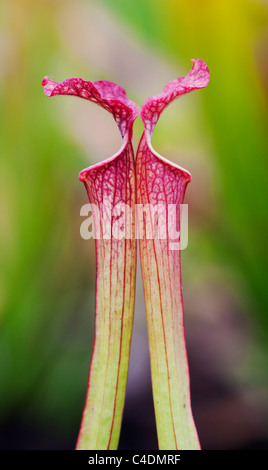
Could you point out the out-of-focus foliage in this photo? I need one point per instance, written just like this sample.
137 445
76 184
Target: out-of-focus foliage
232 38
44 309
47 270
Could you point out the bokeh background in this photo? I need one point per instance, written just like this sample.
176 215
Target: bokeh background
47 271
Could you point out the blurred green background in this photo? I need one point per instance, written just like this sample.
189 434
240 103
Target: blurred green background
47 273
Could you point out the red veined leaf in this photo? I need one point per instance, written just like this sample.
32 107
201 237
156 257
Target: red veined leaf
161 185
111 190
